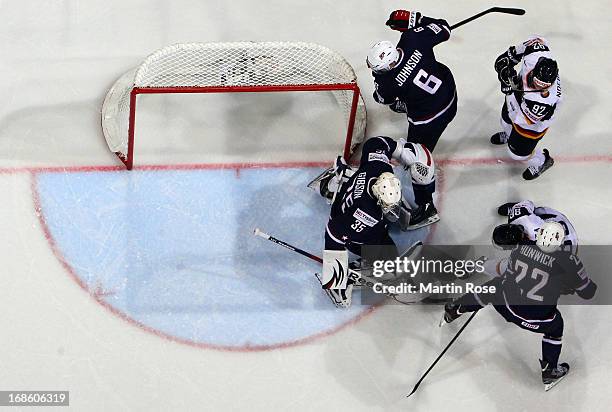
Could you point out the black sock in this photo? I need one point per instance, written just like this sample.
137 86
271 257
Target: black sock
551 349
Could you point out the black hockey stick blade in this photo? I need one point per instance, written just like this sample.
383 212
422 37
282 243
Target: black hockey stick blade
505 10
442 354
509 10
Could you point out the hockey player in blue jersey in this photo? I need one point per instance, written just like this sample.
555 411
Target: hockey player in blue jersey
528 290
409 79
365 201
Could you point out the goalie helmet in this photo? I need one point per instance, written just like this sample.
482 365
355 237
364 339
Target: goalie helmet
383 56
550 236
544 73
507 236
388 190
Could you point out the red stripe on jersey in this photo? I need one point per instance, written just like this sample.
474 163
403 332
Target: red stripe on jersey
428 155
530 134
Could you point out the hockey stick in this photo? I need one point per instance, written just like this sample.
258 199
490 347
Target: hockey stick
505 10
357 277
353 274
259 233
442 354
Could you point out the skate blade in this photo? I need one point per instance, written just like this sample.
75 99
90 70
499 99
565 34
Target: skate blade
313 184
544 169
413 251
431 220
549 386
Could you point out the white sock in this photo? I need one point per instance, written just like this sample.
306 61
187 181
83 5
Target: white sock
537 159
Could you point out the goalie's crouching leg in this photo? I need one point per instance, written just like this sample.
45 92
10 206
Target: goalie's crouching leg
329 182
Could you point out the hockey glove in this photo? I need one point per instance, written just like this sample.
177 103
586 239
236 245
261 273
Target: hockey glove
508 79
509 58
398 106
501 63
402 20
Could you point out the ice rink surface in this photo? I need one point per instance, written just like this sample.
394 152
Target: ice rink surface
144 290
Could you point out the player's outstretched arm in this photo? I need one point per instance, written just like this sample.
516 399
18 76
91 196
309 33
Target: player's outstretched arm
433 31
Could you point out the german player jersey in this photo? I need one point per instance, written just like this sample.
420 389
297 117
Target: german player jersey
532 112
531 218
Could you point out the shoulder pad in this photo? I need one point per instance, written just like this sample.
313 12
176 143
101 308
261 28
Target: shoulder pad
520 209
535 45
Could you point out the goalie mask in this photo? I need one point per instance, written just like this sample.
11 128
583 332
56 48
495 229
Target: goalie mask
550 236
388 190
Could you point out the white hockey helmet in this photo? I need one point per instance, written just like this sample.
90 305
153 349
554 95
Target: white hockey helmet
388 191
550 236
383 56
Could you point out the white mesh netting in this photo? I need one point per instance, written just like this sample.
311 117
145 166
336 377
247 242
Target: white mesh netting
230 65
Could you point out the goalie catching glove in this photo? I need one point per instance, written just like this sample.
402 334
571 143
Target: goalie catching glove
402 20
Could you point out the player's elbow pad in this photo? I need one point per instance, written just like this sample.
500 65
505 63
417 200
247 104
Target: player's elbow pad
588 292
446 26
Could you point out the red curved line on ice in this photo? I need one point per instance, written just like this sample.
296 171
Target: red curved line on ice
98 296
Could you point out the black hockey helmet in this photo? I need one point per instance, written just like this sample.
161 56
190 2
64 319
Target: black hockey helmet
507 236
544 73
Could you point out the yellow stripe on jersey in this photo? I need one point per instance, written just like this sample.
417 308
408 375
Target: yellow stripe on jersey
530 134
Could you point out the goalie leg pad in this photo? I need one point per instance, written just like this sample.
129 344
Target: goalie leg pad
335 273
332 178
335 278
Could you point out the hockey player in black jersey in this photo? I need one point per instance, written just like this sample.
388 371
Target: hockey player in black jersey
409 79
532 98
367 202
528 291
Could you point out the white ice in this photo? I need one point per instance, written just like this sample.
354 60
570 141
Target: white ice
58 60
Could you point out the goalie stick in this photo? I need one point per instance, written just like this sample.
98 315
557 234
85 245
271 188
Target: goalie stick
355 276
505 10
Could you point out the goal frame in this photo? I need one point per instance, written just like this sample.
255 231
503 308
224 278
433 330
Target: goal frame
156 74
128 160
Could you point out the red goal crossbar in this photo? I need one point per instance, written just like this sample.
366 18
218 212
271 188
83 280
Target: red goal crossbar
128 160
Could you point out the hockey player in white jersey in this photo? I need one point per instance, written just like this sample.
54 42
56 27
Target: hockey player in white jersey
532 99
525 220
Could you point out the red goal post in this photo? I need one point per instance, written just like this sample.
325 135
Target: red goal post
232 68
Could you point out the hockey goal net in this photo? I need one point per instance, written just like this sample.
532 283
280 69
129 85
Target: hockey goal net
233 68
